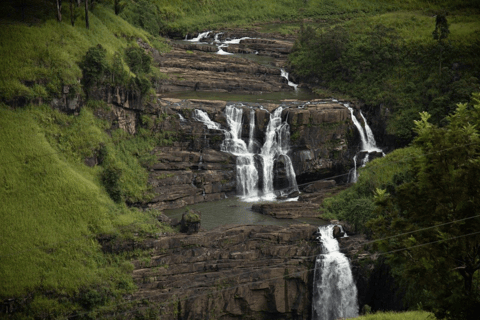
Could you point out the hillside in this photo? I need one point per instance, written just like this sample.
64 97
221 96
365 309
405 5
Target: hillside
81 125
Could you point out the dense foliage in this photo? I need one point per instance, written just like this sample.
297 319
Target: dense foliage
442 195
424 201
394 63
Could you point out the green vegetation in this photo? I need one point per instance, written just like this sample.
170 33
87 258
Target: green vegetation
432 185
393 62
356 204
38 60
411 315
53 208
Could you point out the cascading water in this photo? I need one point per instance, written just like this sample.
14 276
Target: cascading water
334 292
247 174
200 36
368 143
284 74
277 140
276 145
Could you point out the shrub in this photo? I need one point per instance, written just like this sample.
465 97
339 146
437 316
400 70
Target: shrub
94 66
137 60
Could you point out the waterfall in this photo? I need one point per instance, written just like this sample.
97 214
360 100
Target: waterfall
251 126
334 292
221 51
202 116
370 138
247 174
368 143
284 74
200 36
236 41
276 145
277 142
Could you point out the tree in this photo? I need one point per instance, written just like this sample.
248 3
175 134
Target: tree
72 12
87 24
443 191
59 10
440 33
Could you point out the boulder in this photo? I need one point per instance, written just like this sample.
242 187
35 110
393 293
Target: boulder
190 222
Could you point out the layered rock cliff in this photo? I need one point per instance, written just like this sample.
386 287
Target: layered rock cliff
195 170
232 272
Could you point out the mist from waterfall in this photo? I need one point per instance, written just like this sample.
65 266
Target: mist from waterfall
334 293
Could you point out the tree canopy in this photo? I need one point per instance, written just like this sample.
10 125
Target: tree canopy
433 219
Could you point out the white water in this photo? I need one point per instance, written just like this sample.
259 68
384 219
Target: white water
200 36
284 74
202 116
368 142
334 293
221 51
277 143
276 147
247 174
236 41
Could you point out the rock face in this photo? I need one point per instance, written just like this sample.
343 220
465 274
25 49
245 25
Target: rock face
200 71
375 284
232 272
194 169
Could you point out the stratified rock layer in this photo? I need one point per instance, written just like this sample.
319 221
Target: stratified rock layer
232 272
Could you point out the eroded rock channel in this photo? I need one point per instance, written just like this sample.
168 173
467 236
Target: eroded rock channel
239 271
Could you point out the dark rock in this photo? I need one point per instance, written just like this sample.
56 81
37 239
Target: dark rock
293 194
164 219
338 232
268 269
319 185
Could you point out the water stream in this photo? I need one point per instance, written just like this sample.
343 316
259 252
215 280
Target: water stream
334 293
368 143
275 148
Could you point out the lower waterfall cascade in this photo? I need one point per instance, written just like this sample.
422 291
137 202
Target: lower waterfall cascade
334 293
255 162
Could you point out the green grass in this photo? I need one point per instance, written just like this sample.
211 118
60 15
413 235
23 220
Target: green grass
410 315
50 212
53 208
37 60
391 61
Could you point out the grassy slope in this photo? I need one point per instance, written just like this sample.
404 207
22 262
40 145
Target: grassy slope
50 210
391 59
412 315
48 53
53 206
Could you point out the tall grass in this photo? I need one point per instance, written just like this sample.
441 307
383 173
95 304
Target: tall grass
53 208
37 60
410 315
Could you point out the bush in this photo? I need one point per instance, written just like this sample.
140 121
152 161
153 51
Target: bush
138 60
111 180
94 66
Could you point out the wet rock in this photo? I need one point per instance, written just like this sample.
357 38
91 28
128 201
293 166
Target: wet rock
338 232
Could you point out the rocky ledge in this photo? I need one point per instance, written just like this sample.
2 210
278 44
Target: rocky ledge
231 272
